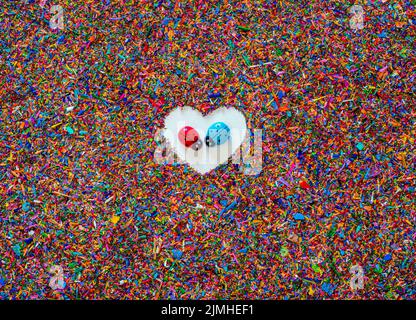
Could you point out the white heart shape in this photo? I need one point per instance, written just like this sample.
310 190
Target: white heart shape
207 158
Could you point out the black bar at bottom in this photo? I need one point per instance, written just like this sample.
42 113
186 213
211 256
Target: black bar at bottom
205 309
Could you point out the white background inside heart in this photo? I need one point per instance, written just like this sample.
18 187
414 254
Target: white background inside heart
207 158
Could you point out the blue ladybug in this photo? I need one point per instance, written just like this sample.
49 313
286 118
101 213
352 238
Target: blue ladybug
218 133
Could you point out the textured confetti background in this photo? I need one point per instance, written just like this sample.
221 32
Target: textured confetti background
79 187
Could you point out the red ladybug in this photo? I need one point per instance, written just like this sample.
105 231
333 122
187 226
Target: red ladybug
188 136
